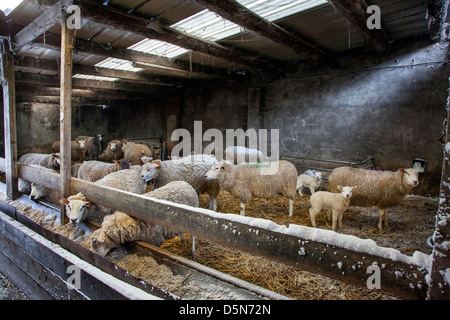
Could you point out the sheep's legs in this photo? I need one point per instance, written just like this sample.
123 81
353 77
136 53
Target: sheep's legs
383 215
242 209
291 207
312 214
212 203
193 246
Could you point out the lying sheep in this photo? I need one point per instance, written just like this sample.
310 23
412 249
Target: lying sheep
74 169
383 189
307 181
336 203
95 170
119 227
256 180
135 151
76 205
77 148
191 169
239 154
93 146
50 161
41 192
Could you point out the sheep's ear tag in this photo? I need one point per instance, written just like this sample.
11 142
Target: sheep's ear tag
63 201
90 204
401 170
103 237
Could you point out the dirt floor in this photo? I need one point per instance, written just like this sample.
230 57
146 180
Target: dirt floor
410 224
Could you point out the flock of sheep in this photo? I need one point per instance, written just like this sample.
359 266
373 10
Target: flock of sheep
182 180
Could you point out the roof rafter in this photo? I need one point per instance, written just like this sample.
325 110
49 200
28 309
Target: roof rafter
355 13
240 15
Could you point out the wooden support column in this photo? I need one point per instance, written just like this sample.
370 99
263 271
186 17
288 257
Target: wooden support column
67 45
439 285
9 116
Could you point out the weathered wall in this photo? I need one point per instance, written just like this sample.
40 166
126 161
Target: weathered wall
391 108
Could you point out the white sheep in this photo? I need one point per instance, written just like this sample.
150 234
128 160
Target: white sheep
119 227
336 203
239 154
191 169
41 192
50 161
383 189
245 181
95 170
77 205
307 181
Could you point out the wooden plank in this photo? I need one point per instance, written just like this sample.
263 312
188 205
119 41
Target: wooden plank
404 279
67 43
439 287
437 11
7 79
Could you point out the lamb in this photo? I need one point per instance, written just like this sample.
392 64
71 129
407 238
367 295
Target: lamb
383 189
191 169
92 147
245 181
113 151
76 205
95 170
239 154
119 227
307 181
336 203
77 148
135 151
50 161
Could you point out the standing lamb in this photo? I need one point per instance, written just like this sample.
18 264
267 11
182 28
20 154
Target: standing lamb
383 189
191 169
135 151
93 146
307 181
113 151
119 227
336 203
76 205
245 181
239 154
95 170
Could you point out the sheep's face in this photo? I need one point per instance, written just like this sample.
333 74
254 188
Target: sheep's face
410 177
347 191
82 144
113 146
217 171
76 210
318 175
150 170
37 191
100 243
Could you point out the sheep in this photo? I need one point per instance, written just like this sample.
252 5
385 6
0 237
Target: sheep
95 170
336 203
307 181
245 181
191 169
383 189
39 192
135 151
113 151
92 147
74 169
119 227
77 148
126 180
50 161
239 154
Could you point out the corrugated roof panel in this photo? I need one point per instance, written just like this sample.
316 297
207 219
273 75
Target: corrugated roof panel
118 64
158 48
88 77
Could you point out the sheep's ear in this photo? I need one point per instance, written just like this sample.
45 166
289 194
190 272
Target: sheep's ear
314 171
339 187
63 201
401 170
90 204
157 162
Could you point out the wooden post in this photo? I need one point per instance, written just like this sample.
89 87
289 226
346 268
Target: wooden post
9 114
67 45
439 285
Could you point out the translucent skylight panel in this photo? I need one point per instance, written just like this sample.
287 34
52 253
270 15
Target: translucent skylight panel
88 77
8 6
118 64
158 48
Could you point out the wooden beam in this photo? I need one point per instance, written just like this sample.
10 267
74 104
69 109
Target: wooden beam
439 286
67 43
156 30
7 79
437 12
240 15
355 13
48 19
